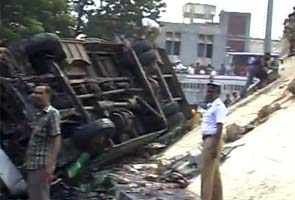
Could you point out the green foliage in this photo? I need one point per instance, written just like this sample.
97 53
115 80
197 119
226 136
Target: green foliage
122 16
22 18
83 9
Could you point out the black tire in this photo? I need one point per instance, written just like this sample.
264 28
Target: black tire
142 46
84 135
171 108
175 120
148 58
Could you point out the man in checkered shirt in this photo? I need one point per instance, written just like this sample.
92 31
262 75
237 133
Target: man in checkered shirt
44 145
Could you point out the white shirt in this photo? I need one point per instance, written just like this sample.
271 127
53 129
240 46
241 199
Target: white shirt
190 70
215 113
81 36
180 66
150 23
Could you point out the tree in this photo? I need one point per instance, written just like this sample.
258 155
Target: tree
83 9
122 16
22 18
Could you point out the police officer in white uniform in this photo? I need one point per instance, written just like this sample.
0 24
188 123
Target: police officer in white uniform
212 125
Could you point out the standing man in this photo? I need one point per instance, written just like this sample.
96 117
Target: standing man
197 68
44 145
256 69
212 125
228 69
222 70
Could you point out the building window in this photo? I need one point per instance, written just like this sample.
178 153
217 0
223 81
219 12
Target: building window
201 49
173 43
169 35
210 38
205 46
177 36
202 38
176 49
209 51
169 47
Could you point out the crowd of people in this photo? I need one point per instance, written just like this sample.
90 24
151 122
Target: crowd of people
197 68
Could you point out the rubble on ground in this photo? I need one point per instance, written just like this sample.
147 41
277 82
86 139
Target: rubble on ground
133 179
234 131
158 178
152 179
265 111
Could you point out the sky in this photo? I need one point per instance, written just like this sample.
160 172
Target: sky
258 9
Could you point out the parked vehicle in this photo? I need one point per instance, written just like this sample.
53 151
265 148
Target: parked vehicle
239 61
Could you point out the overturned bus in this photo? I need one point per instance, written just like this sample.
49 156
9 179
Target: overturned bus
113 97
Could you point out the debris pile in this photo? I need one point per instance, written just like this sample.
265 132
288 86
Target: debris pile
234 131
133 179
158 178
155 178
265 111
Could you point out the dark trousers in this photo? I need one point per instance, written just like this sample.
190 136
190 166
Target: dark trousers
38 185
249 81
252 73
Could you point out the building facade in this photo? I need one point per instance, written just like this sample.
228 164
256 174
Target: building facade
257 45
191 43
237 29
206 43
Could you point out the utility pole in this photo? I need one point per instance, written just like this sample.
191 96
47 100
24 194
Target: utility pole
267 40
192 12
